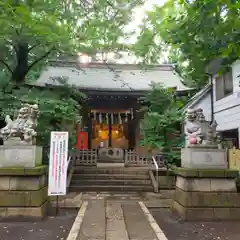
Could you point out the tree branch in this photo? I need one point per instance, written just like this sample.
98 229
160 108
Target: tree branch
33 46
40 58
7 66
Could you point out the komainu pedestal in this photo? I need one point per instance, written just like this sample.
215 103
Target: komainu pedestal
203 157
205 188
23 194
26 156
206 194
23 185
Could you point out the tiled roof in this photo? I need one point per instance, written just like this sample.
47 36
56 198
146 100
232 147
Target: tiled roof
97 76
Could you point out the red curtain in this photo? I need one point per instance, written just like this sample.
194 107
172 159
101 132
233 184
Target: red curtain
82 140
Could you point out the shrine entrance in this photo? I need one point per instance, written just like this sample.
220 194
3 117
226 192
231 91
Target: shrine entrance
110 128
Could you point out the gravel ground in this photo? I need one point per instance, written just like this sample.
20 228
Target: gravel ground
55 227
176 229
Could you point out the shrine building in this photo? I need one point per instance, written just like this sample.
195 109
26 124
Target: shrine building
110 117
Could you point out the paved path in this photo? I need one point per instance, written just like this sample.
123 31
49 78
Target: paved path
120 217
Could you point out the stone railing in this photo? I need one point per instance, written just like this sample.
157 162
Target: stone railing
133 159
85 157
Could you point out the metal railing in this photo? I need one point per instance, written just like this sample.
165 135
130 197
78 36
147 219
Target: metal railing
70 170
156 168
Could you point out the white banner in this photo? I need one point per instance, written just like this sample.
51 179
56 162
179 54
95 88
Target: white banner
58 163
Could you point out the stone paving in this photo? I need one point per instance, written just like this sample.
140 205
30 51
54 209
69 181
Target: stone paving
118 216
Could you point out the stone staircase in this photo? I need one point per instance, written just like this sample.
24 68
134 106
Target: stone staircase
100 179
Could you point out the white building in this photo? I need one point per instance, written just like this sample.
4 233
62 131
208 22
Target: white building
221 100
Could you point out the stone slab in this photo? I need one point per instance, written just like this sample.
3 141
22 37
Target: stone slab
206 184
21 171
20 183
137 224
27 156
205 173
23 213
94 222
115 225
204 158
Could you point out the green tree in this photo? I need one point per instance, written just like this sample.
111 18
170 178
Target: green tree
194 33
162 118
33 31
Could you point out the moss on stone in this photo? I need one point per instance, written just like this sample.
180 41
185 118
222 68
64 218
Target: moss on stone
23 198
186 172
37 171
206 173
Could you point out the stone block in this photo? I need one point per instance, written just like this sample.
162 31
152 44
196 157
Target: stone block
204 158
193 184
200 214
27 183
207 199
23 198
166 182
27 156
223 185
24 213
4 182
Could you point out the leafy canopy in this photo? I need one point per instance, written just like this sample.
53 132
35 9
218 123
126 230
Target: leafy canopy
34 30
193 33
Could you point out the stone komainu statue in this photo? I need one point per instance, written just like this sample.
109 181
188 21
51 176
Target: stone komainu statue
24 126
198 131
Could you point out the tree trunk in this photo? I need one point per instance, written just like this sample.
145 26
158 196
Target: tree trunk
21 69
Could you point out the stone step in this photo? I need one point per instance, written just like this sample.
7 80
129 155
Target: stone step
112 182
109 176
112 170
99 188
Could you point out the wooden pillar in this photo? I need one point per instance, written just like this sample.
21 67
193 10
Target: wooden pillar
89 130
110 130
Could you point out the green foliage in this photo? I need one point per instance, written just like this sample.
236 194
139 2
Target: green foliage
56 107
162 117
194 32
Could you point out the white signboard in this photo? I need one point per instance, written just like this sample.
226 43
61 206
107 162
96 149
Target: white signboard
58 164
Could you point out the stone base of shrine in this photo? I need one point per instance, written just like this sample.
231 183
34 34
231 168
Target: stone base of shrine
23 194
206 195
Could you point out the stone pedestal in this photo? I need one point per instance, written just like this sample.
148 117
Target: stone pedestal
206 194
202 157
26 156
23 193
